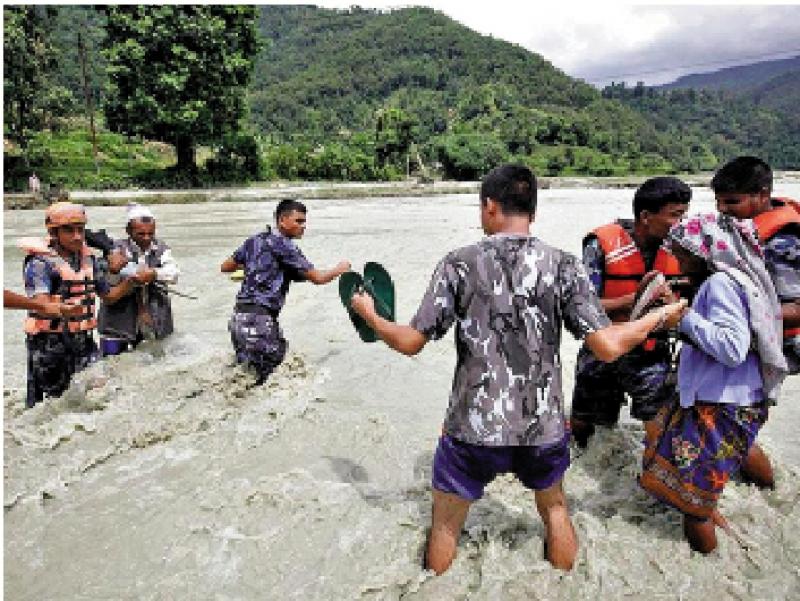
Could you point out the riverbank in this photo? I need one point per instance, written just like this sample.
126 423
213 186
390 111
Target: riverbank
335 190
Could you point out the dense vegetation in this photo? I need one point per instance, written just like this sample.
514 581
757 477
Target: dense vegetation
342 94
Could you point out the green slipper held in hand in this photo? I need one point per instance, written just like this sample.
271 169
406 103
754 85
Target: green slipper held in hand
378 284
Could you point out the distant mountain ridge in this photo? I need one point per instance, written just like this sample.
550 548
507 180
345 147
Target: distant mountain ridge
740 78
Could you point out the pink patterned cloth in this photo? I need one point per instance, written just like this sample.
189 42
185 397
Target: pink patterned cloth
731 245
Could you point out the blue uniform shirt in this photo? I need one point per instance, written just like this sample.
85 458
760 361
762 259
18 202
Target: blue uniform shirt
271 262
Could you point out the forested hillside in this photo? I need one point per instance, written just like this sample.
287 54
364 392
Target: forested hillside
461 98
349 94
750 109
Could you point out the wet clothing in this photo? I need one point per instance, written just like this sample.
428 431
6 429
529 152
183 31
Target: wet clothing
730 246
695 451
508 296
465 469
724 374
594 259
643 375
718 364
258 341
782 256
147 309
600 388
271 263
53 357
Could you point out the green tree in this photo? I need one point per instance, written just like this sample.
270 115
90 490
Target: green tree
28 59
179 74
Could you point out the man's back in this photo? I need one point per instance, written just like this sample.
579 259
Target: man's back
508 295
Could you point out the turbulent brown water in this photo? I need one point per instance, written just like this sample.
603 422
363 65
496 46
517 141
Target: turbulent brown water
165 474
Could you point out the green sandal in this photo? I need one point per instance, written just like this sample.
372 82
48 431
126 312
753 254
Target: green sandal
378 284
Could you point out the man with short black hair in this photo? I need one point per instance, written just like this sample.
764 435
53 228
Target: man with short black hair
743 189
271 262
60 268
617 256
508 295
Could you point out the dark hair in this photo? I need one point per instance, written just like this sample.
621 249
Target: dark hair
657 192
743 175
513 187
286 206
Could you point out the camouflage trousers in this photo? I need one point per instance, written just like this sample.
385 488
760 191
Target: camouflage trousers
600 388
53 358
258 342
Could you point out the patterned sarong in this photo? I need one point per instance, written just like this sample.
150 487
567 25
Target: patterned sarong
688 462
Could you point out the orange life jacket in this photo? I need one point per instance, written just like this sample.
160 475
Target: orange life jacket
77 288
624 267
773 221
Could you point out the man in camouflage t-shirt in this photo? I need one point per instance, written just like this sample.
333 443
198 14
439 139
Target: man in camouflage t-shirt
271 262
508 296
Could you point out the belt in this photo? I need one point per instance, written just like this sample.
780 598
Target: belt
256 309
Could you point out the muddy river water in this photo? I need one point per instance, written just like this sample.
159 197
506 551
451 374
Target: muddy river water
164 474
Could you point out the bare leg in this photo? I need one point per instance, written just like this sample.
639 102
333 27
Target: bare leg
560 537
701 534
651 430
449 515
757 469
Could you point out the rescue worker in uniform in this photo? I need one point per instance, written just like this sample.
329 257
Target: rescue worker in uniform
617 256
60 268
146 311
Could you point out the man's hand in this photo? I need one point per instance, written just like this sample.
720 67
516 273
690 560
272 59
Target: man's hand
56 310
363 304
145 276
342 267
116 261
672 314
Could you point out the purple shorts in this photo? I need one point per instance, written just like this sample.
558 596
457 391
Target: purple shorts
464 469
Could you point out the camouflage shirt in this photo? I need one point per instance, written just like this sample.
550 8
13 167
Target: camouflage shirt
271 262
508 295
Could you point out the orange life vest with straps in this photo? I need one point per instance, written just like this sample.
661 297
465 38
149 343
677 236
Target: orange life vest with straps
624 264
625 267
771 222
76 287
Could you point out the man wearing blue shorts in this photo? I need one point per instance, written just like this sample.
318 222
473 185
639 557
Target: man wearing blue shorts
508 295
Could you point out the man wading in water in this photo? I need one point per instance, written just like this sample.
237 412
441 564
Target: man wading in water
508 295
271 262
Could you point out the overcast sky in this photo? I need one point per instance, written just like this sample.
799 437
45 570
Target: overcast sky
646 42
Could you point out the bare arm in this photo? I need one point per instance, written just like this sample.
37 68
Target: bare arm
620 303
403 339
124 288
41 303
315 276
790 311
229 265
610 343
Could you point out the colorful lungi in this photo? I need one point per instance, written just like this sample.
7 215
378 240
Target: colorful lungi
688 462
